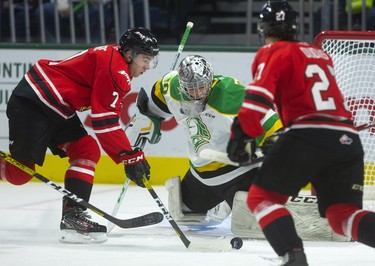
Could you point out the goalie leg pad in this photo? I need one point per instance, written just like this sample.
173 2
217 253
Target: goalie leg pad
173 186
244 223
310 226
180 213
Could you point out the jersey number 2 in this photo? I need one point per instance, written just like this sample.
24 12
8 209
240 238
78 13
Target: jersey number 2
319 87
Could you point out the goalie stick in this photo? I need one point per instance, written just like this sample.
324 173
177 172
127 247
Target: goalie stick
120 198
207 246
189 26
222 157
144 220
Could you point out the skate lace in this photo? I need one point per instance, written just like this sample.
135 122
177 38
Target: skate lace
85 217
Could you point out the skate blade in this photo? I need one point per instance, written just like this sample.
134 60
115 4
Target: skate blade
73 237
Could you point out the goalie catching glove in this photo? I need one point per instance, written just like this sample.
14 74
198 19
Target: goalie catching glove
136 165
237 146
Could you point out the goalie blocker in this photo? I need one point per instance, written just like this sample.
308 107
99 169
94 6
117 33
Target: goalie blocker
310 226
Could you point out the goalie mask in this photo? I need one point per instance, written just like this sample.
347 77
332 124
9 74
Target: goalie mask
277 19
195 80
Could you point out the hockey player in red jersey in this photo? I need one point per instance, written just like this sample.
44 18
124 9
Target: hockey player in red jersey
42 114
320 145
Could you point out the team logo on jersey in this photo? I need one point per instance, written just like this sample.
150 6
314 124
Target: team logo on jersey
346 140
199 133
123 72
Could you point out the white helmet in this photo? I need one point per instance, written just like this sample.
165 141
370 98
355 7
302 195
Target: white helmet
195 80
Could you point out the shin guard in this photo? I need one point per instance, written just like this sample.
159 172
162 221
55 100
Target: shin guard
83 154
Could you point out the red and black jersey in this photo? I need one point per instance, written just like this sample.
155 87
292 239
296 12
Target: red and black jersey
96 79
298 80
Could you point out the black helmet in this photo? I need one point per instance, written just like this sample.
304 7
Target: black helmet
277 19
140 41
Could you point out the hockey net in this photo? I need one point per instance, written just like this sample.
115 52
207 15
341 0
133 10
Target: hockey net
353 55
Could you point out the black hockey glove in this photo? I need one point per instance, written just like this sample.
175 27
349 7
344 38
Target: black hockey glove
237 145
270 141
136 165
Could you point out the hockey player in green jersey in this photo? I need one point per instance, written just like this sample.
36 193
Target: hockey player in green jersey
205 105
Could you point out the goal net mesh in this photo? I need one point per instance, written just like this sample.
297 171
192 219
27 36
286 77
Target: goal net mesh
353 55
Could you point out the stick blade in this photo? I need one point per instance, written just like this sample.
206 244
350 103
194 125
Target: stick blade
140 221
221 245
110 227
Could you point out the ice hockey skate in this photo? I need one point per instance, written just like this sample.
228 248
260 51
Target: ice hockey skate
77 228
296 258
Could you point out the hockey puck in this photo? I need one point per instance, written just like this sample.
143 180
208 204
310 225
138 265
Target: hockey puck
236 242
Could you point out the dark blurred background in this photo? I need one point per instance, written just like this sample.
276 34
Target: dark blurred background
222 23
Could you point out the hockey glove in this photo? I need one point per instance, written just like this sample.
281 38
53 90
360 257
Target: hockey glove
268 143
236 149
136 165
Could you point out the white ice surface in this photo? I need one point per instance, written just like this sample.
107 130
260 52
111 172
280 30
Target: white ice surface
29 232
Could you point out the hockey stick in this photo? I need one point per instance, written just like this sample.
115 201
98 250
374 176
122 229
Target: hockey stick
222 157
208 246
189 26
110 225
144 220
120 198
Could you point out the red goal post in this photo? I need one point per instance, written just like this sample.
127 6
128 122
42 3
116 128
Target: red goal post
353 55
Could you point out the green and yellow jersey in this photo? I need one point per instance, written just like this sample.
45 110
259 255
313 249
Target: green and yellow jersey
211 128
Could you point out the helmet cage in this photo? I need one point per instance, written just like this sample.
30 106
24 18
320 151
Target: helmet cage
196 90
195 78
